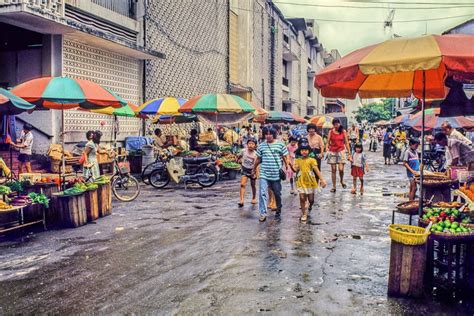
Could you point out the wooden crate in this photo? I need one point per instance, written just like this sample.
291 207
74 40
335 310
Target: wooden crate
92 205
407 270
105 199
72 210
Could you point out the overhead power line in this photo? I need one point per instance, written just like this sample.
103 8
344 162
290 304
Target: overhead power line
397 21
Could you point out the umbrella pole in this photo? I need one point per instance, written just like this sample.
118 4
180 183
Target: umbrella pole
63 158
420 206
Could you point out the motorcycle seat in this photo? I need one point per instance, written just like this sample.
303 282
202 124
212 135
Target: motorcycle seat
195 160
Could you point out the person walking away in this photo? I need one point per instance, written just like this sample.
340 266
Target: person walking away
306 182
292 147
411 161
387 145
271 154
462 153
316 143
353 136
373 140
91 164
25 144
248 162
358 168
337 146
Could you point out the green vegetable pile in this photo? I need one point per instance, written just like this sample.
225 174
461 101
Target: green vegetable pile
102 180
39 198
91 186
230 165
16 186
5 190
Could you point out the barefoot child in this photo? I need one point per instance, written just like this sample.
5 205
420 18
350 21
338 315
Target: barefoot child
248 161
292 147
359 168
306 182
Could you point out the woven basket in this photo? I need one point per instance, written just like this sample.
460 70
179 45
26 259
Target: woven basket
419 236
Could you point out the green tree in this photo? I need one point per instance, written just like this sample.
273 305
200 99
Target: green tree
375 111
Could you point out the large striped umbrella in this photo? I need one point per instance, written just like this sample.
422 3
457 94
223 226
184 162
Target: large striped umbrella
63 93
399 68
12 105
162 106
217 103
284 117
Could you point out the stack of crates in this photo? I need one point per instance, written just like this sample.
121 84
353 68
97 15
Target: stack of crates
450 266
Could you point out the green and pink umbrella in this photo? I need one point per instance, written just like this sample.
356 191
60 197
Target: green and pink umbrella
62 93
217 103
11 104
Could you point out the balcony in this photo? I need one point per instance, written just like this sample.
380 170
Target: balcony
53 9
123 7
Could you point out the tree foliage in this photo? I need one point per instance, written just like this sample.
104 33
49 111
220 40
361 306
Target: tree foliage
376 111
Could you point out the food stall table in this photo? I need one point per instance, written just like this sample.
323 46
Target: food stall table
20 221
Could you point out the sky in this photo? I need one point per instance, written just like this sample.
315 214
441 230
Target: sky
348 36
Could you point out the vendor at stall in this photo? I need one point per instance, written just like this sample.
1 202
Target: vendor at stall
159 141
193 141
461 152
25 144
452 133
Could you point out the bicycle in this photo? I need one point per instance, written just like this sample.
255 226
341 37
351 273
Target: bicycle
123 182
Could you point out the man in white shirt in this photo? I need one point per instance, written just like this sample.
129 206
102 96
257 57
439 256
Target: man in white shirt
25 144
452 133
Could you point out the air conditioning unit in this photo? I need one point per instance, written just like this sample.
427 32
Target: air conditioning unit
311 73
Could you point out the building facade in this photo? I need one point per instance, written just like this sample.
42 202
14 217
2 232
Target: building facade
97 40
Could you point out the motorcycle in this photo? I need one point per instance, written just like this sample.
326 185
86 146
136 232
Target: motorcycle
200 170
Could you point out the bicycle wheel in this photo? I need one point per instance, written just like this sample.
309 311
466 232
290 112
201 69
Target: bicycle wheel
148 170
159 178
207 176
125 187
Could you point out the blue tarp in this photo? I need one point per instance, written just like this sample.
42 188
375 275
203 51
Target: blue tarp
134 143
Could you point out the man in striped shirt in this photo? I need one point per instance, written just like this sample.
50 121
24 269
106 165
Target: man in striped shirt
271 154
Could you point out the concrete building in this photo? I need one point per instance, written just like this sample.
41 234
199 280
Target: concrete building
98 40
264 46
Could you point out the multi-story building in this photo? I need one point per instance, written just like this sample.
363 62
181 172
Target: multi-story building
264 46
98 40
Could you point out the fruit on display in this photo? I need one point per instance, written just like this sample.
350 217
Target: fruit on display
449 227
5 206
90 186
468 190
406 230
436 215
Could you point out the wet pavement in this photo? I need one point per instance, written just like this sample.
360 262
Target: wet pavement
194 251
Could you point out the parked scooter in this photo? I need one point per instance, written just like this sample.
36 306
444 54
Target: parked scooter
200 170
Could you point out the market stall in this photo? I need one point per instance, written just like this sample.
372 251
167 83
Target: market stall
419 67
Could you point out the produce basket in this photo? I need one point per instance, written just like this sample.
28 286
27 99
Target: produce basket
417 236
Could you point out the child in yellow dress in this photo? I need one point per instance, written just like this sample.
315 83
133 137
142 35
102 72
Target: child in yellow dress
306 182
